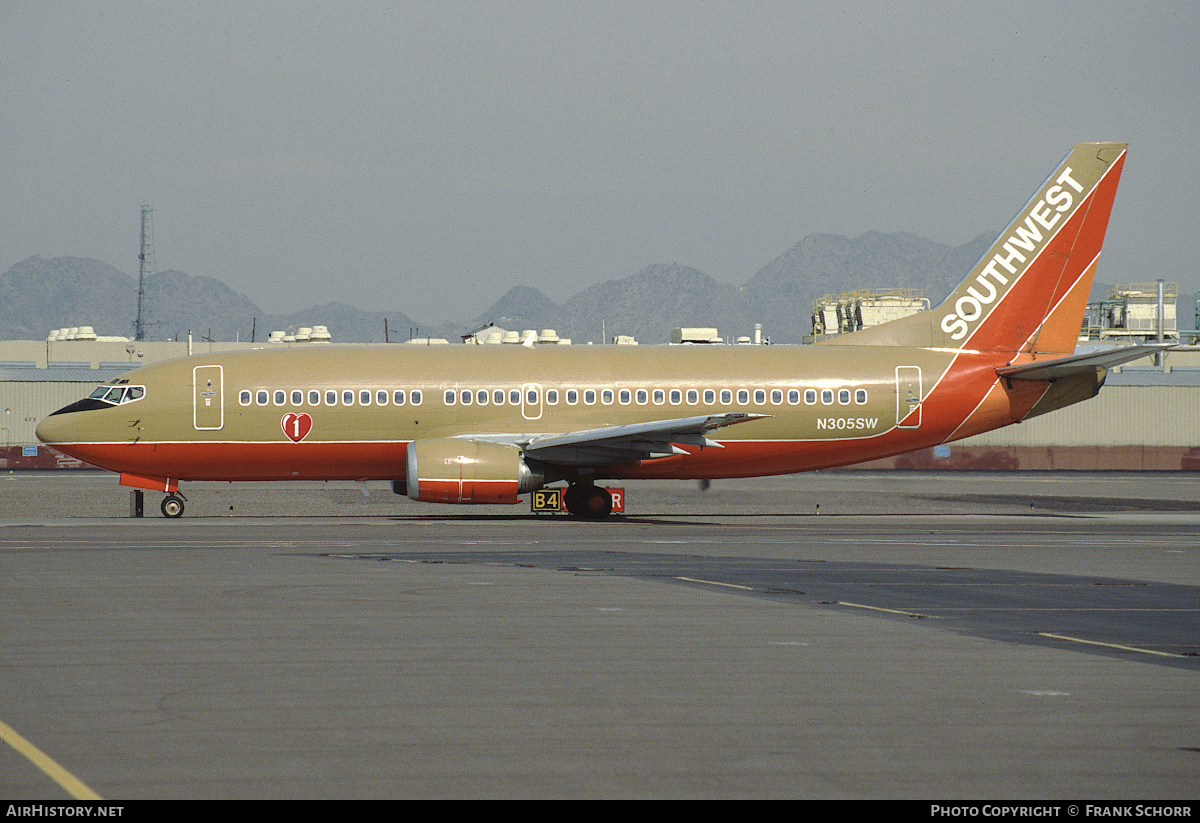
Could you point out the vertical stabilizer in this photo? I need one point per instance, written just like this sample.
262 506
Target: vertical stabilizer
1028 293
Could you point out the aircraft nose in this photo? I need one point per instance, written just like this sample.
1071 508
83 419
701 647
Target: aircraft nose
57 428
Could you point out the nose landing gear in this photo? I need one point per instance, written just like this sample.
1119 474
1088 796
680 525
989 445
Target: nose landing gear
172 505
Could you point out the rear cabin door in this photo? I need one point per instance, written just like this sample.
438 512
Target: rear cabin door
908 397
208 398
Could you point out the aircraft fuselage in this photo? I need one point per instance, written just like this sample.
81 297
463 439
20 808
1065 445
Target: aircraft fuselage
349 413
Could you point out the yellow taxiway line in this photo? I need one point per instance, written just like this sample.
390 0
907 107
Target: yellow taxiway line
73 785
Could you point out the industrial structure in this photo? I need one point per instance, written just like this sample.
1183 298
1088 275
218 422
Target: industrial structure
850 311
693 336
1142 311
493 335
146 267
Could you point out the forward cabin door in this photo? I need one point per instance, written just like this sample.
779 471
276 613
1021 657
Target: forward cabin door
208 398
908 397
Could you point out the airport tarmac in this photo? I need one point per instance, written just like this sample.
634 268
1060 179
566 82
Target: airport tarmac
832 635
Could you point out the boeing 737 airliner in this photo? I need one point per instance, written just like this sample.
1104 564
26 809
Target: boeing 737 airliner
458 424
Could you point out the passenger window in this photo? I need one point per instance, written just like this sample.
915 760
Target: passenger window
481 397
244 397
659 397
381 398
793 396
347 398
624 396
466 397
450 396
860 396
331 398
710 396
776 396
827 396
572 397
261 398
364 397
415 397
280 398
810 396
398 397
498 397
642 397
314 398
743 397
514 397
693 397
606 396
589 396
843 396
760 396
676 397
726 396
552 396
531 397
297 397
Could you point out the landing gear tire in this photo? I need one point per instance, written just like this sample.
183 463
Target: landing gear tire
172 506
588 502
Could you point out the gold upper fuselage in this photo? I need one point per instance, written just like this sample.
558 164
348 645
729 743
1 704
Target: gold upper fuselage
805 390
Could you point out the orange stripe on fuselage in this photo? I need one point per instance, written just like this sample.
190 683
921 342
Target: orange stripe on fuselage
386 461
247 461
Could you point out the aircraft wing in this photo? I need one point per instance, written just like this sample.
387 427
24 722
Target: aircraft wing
1079 363
635 441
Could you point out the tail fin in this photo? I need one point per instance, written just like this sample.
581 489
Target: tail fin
1028 293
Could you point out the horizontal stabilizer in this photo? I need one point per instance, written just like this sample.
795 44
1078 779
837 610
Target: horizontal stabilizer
1080 363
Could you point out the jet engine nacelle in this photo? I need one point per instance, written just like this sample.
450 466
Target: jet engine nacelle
457 470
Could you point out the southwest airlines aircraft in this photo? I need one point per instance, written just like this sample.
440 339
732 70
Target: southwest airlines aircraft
466 424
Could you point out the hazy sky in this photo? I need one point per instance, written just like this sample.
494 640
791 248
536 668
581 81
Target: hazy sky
428 156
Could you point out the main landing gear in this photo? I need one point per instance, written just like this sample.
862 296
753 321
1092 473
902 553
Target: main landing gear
172 505
587 501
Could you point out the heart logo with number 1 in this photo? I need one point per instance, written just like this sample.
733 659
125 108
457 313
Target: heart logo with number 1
296 426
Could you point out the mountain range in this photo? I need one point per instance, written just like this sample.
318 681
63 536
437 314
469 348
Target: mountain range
38 295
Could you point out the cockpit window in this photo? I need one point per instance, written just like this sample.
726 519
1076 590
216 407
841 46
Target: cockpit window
116 395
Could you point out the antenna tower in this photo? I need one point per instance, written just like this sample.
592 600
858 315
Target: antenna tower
146 257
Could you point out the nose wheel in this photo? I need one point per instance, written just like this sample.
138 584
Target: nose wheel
172 505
